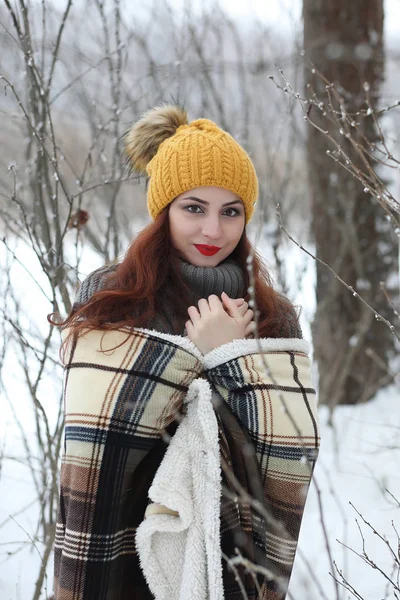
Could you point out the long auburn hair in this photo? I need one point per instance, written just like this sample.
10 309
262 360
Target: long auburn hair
149 276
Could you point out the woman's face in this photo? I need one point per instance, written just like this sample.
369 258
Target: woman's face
206 216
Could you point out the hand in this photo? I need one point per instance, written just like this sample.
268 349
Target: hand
210 325
240 303
242 306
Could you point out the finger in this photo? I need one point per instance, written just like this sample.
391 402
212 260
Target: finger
248 316
193 314
231 306
203 307
238 301
243 309
215 303
250 328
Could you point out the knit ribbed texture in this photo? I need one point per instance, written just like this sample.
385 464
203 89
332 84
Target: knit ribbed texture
200 154
226 277
203 281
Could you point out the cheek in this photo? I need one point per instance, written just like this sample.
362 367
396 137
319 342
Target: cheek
237 231
181 229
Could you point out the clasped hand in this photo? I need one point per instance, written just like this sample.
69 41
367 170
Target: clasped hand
215 323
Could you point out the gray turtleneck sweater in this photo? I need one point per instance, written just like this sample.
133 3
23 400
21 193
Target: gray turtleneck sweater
226 277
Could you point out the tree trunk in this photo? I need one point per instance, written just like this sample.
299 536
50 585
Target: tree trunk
344 40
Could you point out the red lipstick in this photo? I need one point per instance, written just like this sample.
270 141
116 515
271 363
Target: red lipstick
207 250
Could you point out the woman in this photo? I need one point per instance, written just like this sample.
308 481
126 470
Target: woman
174 310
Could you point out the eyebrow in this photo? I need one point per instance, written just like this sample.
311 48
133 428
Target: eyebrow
207 203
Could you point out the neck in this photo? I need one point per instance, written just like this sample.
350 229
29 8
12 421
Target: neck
226 277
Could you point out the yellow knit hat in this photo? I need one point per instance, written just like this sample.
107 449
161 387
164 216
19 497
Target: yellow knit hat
179 156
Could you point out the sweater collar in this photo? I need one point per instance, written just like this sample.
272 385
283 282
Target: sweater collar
226 277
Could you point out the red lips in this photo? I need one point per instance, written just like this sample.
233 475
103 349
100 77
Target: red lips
207 250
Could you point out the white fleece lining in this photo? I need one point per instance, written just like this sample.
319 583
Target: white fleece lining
179 340
237 348
180 555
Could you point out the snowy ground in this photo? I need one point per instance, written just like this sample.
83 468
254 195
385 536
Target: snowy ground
358 461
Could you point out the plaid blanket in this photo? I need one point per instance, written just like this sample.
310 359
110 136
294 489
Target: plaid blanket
269 445
118 406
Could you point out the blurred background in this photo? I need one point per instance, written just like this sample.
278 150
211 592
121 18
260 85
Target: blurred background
312 91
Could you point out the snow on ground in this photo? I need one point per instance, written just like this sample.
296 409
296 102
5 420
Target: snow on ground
358 461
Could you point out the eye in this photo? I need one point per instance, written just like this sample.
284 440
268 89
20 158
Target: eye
235 212
193 206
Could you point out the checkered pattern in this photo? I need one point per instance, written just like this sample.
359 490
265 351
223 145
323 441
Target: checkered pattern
270 442
118 404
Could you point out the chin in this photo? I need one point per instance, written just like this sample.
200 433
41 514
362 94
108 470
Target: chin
207 261
198 260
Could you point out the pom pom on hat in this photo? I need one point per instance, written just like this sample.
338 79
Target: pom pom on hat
144 138
179 156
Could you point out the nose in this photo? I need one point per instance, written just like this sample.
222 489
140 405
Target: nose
212 228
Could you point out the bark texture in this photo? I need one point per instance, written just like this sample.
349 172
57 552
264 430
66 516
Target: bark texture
344 40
